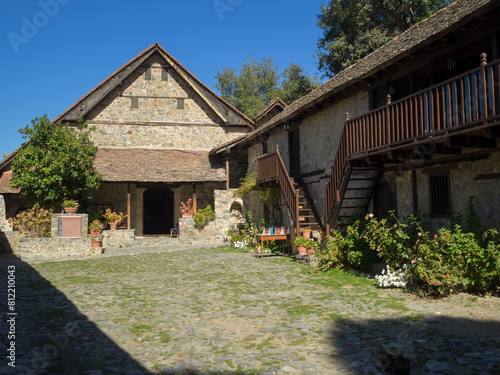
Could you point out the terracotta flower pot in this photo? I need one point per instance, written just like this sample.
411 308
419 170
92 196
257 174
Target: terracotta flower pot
302 250
310 251
95 233
112 226
187 215
306 233
70 210
96 243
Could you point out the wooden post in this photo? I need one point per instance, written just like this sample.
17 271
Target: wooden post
194 197
484 85
227 169
387 118
128 206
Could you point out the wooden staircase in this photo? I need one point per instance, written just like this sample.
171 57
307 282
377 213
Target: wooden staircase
461 111
272 172
357 191
308 215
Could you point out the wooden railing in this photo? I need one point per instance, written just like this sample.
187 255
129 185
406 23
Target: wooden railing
271 167
469 100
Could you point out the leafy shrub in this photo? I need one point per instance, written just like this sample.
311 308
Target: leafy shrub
34 222
245 236
203 216
443 263
348 250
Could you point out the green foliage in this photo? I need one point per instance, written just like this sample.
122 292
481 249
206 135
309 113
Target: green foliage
353 29
247 235
70 203
349 249
256 83
56 161
203 216
249 183
34 222
446 262
306 242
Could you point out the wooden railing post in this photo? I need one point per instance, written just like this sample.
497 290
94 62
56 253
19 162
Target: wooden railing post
484 83
388 118
276 162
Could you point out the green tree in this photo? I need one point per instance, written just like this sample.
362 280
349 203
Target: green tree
256 83
353 28
57 161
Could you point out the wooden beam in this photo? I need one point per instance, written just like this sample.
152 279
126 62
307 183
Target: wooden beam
436 148
128 206
493 132
403 155
471 141
227 170
194 197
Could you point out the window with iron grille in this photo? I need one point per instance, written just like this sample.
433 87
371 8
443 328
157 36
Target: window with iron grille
440 195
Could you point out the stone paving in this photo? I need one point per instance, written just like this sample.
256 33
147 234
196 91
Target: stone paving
187 310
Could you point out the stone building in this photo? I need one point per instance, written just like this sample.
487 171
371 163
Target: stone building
155 124
413 126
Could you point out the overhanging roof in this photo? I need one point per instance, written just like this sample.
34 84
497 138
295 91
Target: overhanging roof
157 165
418 36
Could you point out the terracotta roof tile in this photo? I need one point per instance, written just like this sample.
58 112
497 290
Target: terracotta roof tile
5 183
157 165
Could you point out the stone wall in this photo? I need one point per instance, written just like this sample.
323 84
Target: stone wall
226 217
4 225
118 238
56 248
466 180
319 138
9 242
160 112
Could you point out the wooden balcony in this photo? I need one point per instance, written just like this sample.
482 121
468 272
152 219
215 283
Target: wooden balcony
468 104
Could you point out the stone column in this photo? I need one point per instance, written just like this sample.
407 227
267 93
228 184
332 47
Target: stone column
3 213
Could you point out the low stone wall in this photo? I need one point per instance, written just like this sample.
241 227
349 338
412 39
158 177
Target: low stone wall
118 238
228 213
9 242
213 232
56 248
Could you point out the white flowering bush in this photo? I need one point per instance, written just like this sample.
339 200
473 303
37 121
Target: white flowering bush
398 279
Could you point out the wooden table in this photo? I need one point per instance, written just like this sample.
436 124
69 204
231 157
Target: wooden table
272 237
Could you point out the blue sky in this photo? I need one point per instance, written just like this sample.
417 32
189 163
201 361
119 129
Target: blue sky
54 51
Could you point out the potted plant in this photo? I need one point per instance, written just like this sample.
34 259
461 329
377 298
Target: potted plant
70 205
96 228
96 242
303 244
187 209
306 232
113 219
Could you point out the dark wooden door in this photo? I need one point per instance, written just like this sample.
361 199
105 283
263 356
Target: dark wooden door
385 199
294 147
158 211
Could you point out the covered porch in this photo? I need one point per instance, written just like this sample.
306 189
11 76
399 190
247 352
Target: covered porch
148 185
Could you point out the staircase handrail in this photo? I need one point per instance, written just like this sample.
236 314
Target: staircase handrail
276 169
468 100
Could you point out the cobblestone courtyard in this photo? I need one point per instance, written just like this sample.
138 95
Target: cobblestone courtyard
214 311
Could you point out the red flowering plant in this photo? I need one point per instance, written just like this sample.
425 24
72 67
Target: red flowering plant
113 217
187 208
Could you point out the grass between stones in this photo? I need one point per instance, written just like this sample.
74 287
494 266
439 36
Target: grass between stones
163 300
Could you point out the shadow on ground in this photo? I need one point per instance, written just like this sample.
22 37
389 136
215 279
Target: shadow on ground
45 333
48 334
433 345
